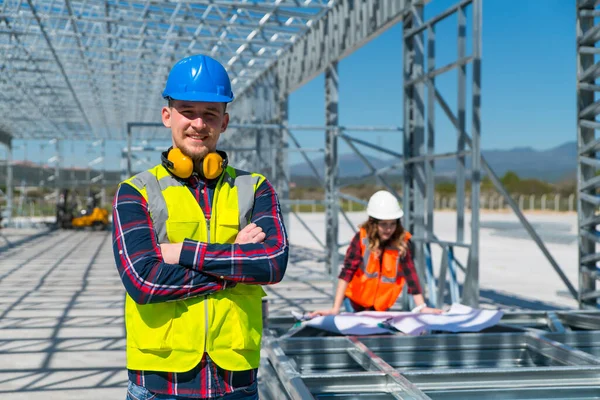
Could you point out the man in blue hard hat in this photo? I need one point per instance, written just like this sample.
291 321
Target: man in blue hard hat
194 241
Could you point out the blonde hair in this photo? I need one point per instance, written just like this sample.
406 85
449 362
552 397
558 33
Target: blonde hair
396 241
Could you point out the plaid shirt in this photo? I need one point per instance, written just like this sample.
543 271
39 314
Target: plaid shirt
203 269
354 260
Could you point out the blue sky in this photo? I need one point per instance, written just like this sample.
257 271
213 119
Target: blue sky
528 84
528 78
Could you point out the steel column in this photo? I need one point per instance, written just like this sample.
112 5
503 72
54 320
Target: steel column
460 147
471 286
259 164
414 133
9 182
430 165
103 181
331 170
587 200
129 171
282 167
57 169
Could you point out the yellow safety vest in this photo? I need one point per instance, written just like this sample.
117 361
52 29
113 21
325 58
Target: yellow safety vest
173 336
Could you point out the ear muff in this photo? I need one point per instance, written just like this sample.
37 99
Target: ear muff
214 164
182 166
177 163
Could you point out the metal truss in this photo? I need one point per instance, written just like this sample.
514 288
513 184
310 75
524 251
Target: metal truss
86 68
527 355
588 144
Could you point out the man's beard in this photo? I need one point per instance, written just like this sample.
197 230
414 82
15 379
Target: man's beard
192 152
199 156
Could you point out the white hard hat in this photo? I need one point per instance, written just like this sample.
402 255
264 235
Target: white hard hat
383 205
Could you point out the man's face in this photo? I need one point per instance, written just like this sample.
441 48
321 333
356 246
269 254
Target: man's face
195 126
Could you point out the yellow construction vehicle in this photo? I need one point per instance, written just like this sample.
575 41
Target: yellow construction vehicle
97 219
90 217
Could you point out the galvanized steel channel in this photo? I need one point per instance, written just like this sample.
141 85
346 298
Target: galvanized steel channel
520 358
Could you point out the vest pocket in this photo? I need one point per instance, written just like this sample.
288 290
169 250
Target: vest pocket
227 224
236 323
247 309
149 326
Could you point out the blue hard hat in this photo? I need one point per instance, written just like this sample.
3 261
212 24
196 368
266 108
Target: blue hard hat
198 78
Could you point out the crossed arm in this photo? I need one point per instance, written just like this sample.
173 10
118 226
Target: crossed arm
151 276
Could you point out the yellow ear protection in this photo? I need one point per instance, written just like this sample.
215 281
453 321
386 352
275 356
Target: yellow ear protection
214 164
182 166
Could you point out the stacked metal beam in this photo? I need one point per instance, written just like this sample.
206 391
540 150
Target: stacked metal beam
528 355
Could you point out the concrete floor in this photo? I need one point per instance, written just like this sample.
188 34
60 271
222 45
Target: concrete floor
61 319
61 316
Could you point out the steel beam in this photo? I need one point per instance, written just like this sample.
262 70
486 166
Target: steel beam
285 370
344 28
373 362
347 26
533 363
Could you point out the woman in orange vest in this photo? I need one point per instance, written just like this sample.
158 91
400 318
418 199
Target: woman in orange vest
378 263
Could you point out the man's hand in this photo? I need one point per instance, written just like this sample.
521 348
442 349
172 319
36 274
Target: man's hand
171 252
250 234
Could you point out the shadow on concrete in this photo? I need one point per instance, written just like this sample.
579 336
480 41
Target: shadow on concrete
61 325
513 301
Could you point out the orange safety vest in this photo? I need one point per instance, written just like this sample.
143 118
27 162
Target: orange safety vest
379 282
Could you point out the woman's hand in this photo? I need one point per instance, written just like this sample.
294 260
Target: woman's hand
430 310
331 311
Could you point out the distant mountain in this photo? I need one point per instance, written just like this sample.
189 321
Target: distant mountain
350 165
550 165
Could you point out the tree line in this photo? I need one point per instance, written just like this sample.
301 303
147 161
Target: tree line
515 185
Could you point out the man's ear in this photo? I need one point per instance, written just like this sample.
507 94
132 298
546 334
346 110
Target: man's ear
225 122
166 116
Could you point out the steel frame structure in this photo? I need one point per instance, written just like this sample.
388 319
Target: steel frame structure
76 61
421 95
528 355
420 98
73 61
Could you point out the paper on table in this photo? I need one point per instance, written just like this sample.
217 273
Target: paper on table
459 318
349 324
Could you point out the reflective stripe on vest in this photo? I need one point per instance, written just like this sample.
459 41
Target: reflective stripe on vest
366 256
158 207
373 275
172 336
156 202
